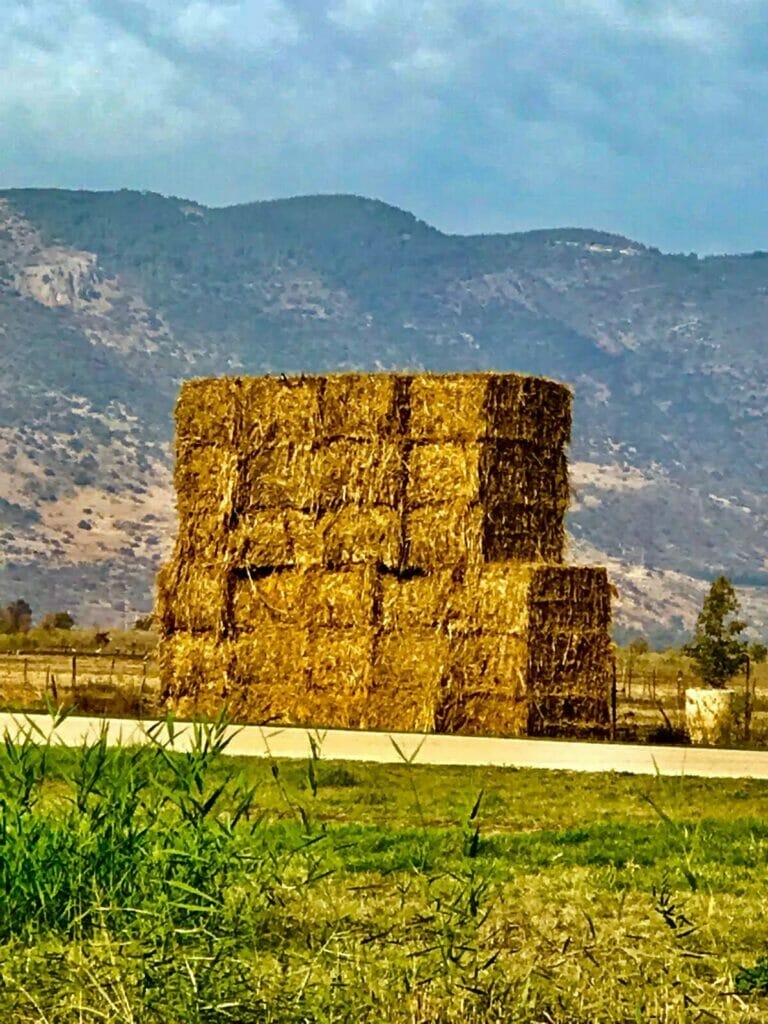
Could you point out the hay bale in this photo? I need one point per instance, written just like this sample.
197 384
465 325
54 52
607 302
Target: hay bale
192 598
267 597
353 472
448 407
423 601
206 480
277 475
579 598
339 677
195 667
265 537
297 676
343 599
495 599
279 409
442 536
438 471
208 412
517 473
522 534
268 671
364 406
485 688
353 535
408 677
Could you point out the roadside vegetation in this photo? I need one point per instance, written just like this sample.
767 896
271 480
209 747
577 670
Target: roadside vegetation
145 885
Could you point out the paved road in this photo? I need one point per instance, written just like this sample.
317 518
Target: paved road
337 744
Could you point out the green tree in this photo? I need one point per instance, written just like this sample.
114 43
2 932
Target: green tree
757 653
717 646
57 620
16 617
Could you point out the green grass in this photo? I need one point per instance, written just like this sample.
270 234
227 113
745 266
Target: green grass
140 885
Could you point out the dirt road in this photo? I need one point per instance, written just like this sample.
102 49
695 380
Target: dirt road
266 741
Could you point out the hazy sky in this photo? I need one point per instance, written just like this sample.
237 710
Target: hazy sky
647 117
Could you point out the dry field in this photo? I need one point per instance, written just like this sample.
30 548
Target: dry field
113 685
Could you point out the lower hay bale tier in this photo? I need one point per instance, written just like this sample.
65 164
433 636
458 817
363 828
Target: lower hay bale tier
408 676
494 650
315 677
196 673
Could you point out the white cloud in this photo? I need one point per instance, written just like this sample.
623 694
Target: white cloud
250 24
569 110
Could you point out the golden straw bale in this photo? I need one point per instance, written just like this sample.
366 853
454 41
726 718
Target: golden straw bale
191 598
348 472
557 715
481 713
522 534
516 473
570 596
448 470
352 535
423 601
192 664
285 409
522 408
208 412
340 599
340 671
268 668
578 659
496 598
277 475
206 480
262 598
262 537
443 535
489 662
305 538
448 407
408 677
277 537
469 407
364 406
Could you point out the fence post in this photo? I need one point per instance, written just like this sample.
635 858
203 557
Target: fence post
653 685
74 671
747 702
25 672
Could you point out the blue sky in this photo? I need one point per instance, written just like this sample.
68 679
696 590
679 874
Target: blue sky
645 117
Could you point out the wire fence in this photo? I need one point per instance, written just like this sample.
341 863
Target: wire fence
650 703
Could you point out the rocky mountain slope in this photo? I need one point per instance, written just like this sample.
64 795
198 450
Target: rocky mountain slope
108 300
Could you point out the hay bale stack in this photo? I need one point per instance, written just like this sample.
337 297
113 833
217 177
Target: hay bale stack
380 551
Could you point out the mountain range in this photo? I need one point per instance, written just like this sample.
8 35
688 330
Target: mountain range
108 300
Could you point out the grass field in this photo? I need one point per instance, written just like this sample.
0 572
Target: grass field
140 886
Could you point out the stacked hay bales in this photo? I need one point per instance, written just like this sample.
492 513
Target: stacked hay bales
381 551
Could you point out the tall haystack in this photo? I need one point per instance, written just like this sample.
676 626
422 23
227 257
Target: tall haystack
381 551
